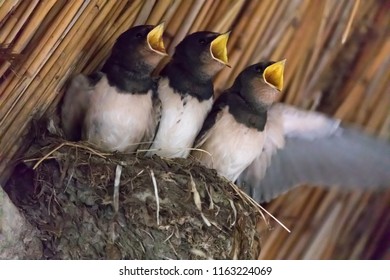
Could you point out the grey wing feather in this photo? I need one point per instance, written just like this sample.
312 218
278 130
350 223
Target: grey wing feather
325 155
304 124
75 104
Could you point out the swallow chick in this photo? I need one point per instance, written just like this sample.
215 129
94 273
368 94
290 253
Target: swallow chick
113 108
186 91
234 132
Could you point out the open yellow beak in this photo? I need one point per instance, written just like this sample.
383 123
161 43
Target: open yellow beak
273 74
218 48
155 39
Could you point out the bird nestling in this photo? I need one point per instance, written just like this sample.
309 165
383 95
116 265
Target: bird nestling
268 148
186 91
234 132
113 108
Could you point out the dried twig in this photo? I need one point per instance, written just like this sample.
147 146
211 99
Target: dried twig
93 151
234 212
348 28
257 206
118 172
156 195
197 201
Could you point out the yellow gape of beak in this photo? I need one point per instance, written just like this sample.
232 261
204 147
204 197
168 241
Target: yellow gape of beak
218 48
155 39
273 74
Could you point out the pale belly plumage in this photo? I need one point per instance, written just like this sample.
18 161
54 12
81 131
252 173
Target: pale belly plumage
117 121
181 120
229 147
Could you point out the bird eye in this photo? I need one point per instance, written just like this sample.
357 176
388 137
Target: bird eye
138 35
202 41
258 69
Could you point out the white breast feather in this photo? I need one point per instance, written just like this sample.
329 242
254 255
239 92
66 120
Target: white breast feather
179 124
232 146
117 121
273 141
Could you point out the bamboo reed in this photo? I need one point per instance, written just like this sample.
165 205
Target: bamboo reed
7 7
349 203
158 11
145 12
20 43
186 23
369 226
381 109
317 47
225 22
172 11
372 94
325 233
218 13
199 21
91 9
384 132
10 25
250 41
358 90
367 54
305 212
225 77
38 58
271 28
301 47
122 23
278 32
176 21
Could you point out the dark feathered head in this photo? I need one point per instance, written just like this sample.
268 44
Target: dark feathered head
203 52
260 83
138 48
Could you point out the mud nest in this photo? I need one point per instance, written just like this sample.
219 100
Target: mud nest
90 205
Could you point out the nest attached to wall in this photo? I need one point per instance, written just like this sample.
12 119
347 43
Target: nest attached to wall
90 205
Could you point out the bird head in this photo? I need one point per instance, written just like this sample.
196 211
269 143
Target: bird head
140 46
204 51
262 82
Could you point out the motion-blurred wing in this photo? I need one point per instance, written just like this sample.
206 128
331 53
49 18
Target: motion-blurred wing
318 151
